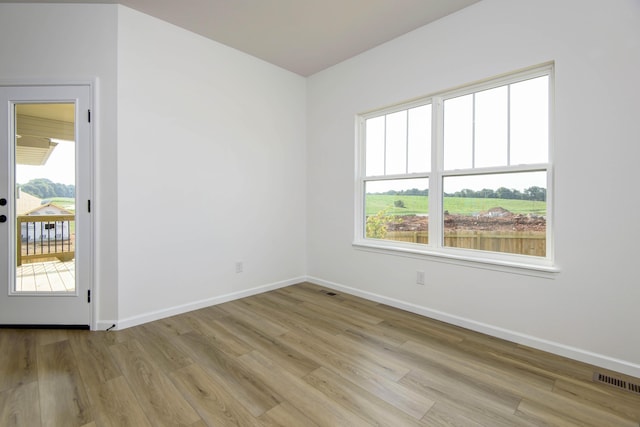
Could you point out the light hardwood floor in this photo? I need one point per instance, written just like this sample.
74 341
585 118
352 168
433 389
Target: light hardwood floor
296 357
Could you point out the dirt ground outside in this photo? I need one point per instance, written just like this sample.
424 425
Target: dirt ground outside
495 219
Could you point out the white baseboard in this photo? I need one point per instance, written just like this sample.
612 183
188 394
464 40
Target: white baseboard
574 353
184 308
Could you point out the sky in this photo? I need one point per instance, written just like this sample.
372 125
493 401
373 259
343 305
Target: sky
60 166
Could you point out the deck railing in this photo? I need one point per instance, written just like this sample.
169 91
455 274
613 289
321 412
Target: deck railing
45 236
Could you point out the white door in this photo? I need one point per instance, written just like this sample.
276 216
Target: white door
45 193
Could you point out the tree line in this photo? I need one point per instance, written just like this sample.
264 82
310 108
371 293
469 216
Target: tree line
44 188
411 192
534 193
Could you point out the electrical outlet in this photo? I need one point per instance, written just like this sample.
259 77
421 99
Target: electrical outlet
239 267
420 277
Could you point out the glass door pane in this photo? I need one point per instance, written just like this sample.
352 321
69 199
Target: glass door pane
45 203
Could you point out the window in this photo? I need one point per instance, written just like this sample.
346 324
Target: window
463 174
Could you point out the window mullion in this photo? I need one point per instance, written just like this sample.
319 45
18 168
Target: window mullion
473 130
360 178
435 180
497 169
384 164
509 125
396 177
406 143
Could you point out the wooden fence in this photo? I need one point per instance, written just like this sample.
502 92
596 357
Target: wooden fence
523 243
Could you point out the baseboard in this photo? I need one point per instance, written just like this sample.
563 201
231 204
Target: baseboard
184 308
574 353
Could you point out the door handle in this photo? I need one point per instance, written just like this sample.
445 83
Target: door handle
3 218
3 202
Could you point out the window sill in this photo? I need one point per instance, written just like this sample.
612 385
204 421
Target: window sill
462 258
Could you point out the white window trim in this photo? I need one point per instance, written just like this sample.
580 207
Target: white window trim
434 250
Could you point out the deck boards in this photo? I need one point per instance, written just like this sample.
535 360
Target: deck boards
49 276
296 357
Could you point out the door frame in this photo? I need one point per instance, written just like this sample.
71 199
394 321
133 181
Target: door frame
87 197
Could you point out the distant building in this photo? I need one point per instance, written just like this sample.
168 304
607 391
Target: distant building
44 231
26 202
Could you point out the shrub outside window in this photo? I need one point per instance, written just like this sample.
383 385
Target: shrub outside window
463 173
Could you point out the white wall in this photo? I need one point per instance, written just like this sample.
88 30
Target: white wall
589 310
211 171
50 42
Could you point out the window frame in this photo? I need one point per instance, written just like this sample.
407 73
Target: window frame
435 249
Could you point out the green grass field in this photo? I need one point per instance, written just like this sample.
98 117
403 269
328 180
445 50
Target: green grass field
455 205
63 202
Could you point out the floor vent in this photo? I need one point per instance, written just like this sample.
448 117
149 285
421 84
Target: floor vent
616 382
331 294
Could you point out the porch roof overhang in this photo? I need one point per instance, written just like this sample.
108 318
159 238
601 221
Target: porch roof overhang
37 125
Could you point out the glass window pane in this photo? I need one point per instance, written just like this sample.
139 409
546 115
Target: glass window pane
374 149
496 212
396 143
458 132
491 127
530 121
45 203
419 139
397 210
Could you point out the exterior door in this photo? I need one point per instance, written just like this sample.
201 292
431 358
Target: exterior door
45 193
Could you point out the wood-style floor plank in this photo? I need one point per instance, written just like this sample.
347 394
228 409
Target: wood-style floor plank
63 398
354 398
540 415
20 406
297 356
302 317
50 336
606 398
256 396
221 338
238 310
158 343
444 414
433 357
213 402
295 390
363 374
477 401
285 414
17 359
162 403
95 362
585 414
115 405
392 368
333 307
289 358
287 319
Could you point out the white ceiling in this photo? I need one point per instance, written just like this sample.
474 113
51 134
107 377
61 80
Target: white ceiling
303 36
